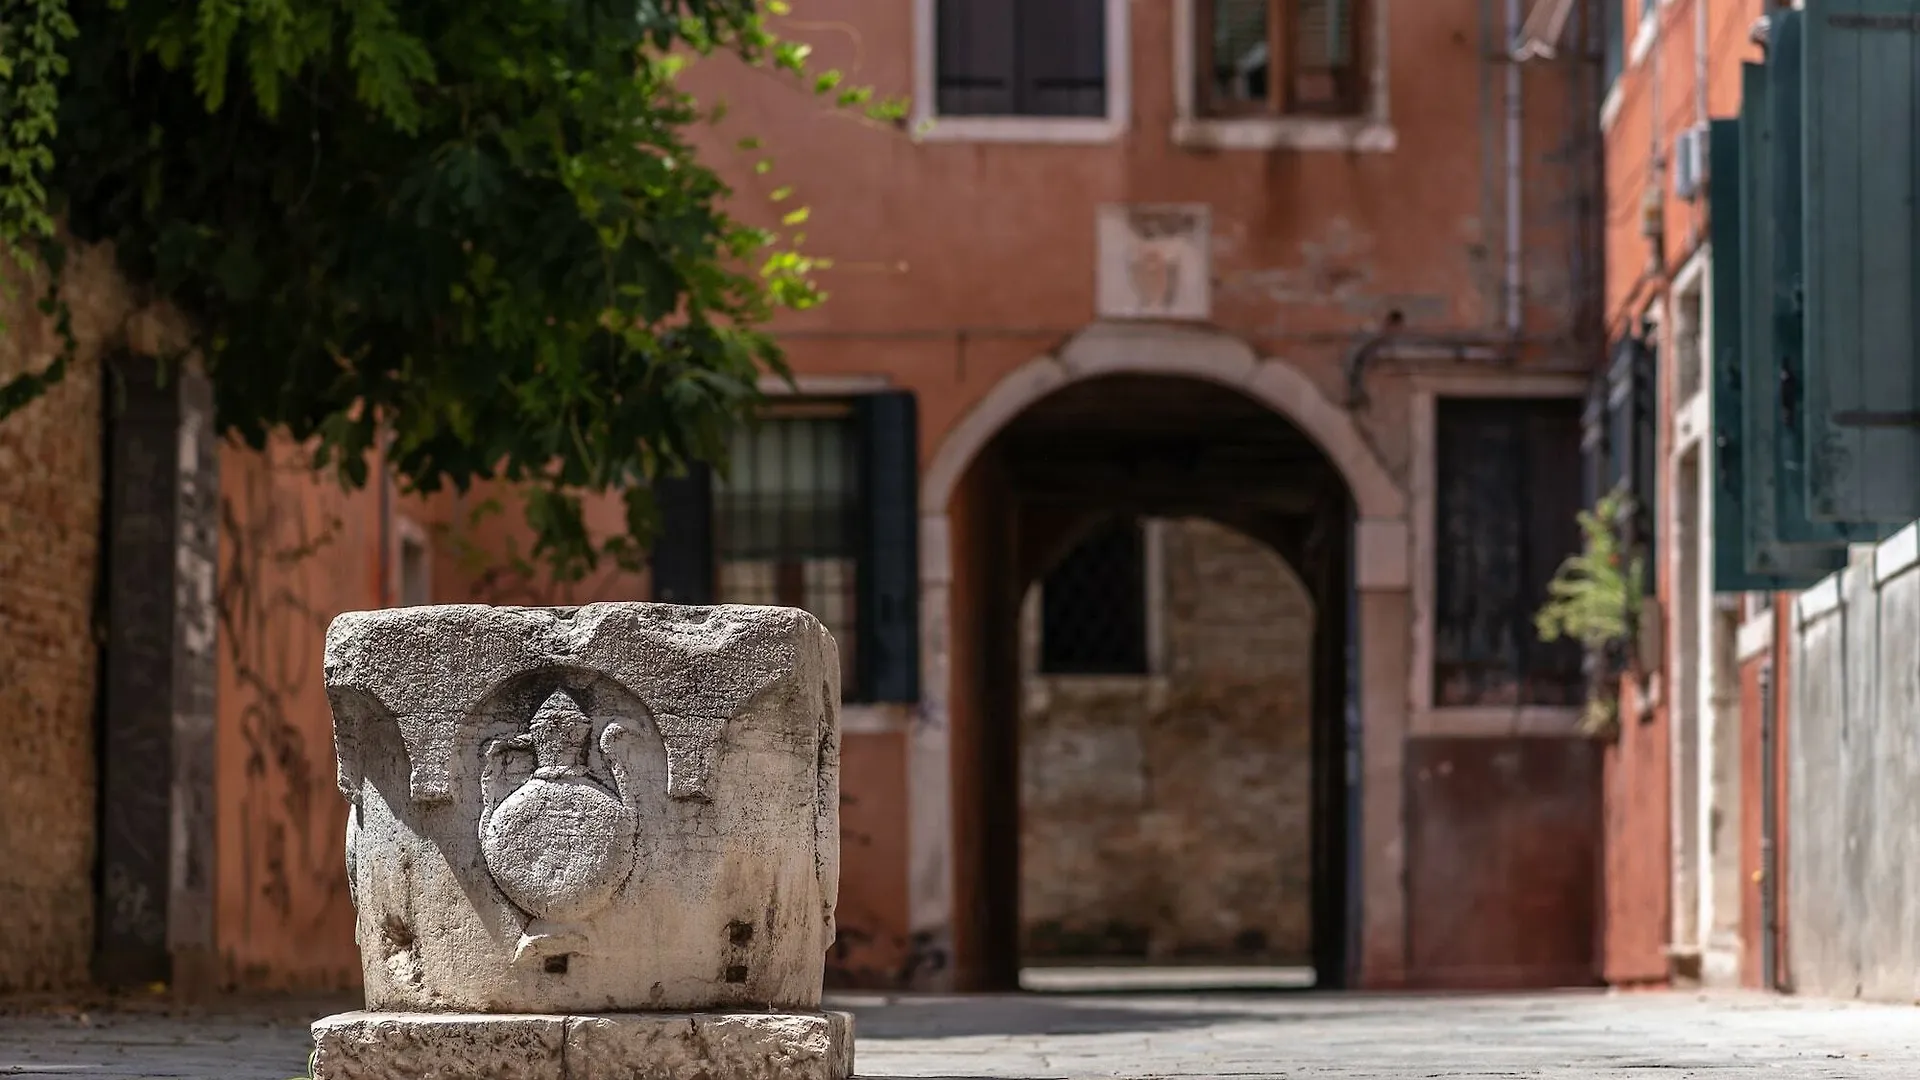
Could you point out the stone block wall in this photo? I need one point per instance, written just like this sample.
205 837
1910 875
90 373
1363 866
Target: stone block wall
1165 817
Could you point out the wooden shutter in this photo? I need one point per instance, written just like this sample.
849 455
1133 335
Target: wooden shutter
1062 57
1789 309
1737 548
1594 457
1322 48
1862 66
158 672
888 655
1633 400
975 57
683 570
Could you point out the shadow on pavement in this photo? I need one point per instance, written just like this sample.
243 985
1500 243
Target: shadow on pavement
1026 1015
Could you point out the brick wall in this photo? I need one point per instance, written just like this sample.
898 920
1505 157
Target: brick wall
50 488
1166 817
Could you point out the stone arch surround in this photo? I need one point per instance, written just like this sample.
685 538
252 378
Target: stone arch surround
1381 567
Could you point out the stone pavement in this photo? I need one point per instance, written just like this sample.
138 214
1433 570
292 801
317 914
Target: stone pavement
1589 1036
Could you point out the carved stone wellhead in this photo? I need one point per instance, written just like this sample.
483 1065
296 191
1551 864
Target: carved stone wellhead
613 809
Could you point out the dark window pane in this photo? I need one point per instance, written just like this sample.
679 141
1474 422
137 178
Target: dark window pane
1504 520
1238 60
1062 57
1021 57
1093 607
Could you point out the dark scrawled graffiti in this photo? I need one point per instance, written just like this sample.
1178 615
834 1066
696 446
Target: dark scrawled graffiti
282 563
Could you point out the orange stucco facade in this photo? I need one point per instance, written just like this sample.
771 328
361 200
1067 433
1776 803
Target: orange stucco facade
964 269
965 265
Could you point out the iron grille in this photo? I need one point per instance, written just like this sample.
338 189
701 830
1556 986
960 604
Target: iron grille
1093 606
787 520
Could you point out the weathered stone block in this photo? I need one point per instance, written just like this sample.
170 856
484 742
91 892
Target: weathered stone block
631 1046
598 809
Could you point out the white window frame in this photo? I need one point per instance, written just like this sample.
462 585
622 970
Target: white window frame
1691 426
1646 32
927 125
1370 132
1465 720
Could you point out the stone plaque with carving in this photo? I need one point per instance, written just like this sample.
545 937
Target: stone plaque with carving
1153 261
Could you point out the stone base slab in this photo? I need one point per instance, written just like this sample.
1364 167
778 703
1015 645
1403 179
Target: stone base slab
615 1046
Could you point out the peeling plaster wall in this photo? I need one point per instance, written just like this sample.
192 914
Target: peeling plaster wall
1167 816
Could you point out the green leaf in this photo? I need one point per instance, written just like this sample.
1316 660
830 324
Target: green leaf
485 230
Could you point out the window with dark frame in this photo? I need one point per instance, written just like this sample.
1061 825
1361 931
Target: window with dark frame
1505 518
786 520
1093 606
1041 58
1317 43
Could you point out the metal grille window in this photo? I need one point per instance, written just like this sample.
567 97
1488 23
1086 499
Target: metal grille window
1093 606
1505 518
787 520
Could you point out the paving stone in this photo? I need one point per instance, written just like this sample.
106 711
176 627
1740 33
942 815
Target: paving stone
1569 1036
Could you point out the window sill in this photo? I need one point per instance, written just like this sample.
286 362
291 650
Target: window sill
1495 722
1017 129
1360 135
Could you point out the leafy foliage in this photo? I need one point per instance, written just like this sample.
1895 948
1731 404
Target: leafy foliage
474 234
1594 598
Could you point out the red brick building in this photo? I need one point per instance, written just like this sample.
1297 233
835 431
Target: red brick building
1322 274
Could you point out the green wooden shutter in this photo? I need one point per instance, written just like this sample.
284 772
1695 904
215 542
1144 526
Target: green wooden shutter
975 42
888 656
1862 60
683 564
1783 107
1734 542
1633 423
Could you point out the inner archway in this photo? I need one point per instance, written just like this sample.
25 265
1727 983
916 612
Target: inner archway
1239 480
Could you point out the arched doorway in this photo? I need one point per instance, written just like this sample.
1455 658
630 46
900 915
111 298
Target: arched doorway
1136 421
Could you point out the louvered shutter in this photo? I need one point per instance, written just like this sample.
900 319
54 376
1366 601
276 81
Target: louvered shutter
1862 236
1737 547
1322 50
888 655
683 562
1594 458
1062 57
975 57
1784 82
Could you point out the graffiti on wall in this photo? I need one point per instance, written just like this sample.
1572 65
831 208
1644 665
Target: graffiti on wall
290 561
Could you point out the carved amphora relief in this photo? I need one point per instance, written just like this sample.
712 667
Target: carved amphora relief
557 839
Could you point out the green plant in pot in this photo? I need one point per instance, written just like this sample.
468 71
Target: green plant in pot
1594 599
